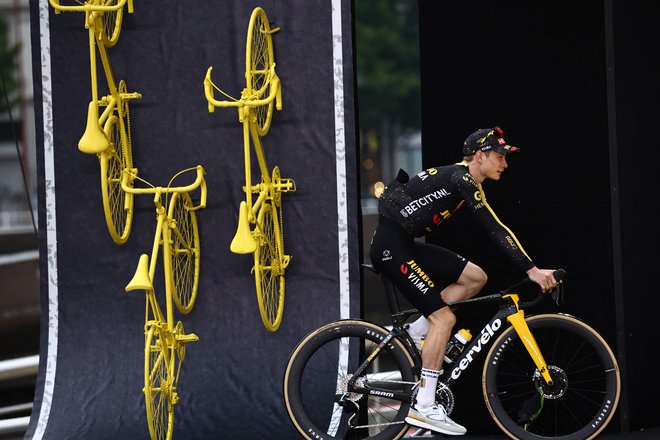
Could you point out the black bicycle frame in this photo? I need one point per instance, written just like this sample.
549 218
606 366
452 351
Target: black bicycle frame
480 344
451 375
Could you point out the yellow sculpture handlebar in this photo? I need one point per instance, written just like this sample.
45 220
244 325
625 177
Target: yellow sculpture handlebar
199 182
274 93
89 6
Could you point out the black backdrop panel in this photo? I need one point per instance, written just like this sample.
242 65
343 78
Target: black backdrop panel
577 195
538 71
637 94
91 375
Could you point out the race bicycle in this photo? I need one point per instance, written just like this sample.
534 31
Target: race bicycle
260 227
545 376
107 133
177 234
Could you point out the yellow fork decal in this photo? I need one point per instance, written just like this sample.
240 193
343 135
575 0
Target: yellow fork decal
521 327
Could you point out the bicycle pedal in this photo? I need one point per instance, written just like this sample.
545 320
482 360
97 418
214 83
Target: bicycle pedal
131 95
287 185
190 337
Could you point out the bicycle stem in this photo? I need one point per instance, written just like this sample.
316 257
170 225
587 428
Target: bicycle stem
517 320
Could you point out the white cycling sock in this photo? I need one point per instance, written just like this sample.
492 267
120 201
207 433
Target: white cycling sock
427 385
420 327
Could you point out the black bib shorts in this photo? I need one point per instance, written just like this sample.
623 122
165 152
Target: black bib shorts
419 270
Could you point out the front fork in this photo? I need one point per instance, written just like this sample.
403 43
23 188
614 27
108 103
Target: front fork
518 322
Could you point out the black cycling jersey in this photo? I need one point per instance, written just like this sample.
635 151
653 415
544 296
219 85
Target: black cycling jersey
421 203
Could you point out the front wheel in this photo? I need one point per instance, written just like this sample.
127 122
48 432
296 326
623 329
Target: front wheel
586 382
109 23
269 265
259 62
185 250
317 375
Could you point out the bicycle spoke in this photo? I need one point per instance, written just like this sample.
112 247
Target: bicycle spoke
314 388
269 273
258 67
158 388
116 208
185 252
582 397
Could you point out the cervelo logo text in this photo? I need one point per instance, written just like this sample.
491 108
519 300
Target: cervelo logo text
484 337
417 276
423 201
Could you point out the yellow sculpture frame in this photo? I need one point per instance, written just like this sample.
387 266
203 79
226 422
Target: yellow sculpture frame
177 234
107 133
260 216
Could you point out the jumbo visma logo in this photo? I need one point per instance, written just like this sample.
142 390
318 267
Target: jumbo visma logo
416 276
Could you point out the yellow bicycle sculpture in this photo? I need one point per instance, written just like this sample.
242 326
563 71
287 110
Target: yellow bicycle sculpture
107 133
260 219
177 234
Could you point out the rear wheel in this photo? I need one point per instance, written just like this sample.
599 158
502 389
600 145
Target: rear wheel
586 383
316 384
159 383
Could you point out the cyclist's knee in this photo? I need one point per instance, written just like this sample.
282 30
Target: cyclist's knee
473 278
443 319
480 279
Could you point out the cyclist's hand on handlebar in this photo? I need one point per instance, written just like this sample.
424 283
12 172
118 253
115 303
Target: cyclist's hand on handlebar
543 277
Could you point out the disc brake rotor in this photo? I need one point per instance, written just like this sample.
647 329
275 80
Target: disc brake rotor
559 383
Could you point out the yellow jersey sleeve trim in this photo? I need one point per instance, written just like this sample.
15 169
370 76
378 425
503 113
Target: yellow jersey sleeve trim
513 236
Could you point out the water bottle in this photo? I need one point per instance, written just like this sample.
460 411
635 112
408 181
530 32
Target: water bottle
456 344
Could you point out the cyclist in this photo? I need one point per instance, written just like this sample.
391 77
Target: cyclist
430 276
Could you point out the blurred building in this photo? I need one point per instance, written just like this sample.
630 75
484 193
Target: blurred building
18 184
17 126
19 256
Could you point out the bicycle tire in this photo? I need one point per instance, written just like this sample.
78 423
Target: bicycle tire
315 376
117 204
185 251
259 60
159 383
269 267
109 23
586 375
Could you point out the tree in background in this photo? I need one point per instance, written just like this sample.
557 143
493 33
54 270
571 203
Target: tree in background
388 88
8 66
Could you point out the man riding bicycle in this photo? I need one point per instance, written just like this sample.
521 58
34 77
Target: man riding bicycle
430 276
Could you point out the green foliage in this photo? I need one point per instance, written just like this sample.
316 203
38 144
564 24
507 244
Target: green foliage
387 51
8 67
